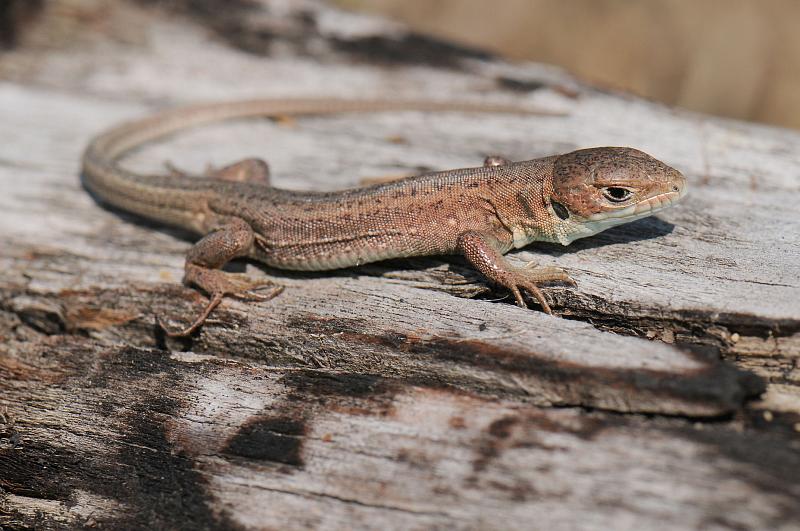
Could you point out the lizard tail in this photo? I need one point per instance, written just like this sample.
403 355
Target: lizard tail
176 200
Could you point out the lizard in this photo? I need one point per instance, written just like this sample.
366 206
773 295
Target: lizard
481 213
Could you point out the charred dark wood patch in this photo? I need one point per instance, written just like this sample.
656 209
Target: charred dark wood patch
316 384
520 85
159 486
525 431
38 470
409 49
351 393
277 439
783 423
493 443
501 428
532 85
162 486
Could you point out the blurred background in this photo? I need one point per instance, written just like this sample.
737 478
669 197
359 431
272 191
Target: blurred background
736 58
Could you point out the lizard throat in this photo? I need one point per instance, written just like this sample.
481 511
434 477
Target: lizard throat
521 237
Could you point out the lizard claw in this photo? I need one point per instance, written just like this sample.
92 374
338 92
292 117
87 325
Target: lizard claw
251 294
198 322
528 277
534 290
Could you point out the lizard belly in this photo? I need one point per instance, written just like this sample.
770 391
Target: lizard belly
327 254
320 258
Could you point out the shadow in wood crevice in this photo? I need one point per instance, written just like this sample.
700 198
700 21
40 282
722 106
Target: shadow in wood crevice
713 390
688 327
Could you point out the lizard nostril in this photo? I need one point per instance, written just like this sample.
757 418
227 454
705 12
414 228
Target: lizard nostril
675 188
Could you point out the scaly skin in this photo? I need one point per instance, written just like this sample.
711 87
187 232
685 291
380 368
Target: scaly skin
480 212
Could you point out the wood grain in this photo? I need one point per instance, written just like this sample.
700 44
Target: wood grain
404 394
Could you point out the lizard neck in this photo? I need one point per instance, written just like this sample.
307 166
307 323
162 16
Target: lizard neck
532 217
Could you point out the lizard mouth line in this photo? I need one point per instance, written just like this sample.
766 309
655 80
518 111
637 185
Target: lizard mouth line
643 208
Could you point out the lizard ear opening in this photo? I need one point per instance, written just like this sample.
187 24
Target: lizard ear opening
560 210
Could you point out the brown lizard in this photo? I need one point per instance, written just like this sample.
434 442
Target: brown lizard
481 213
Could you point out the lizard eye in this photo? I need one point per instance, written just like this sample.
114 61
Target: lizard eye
617 194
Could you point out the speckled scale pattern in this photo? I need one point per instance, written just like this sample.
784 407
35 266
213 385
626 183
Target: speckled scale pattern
413 217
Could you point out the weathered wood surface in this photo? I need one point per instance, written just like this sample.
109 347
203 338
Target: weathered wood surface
403 394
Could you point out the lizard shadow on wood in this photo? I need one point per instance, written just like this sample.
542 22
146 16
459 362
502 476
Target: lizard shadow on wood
639 230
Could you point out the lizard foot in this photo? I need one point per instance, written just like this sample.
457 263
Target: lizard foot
219 284
528 278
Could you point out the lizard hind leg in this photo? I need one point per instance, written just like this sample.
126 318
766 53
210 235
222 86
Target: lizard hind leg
250 170
244 171
232 240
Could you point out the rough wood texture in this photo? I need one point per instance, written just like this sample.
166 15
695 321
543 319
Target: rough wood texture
403 394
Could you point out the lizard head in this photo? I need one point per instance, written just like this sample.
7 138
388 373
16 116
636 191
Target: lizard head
598 188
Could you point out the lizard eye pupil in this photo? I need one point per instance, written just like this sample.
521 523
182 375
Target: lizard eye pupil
617 194
560 210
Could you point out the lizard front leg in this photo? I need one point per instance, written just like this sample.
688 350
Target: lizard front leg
203 262
485 257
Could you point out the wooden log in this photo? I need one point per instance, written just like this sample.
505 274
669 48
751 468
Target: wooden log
400 394
133 437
